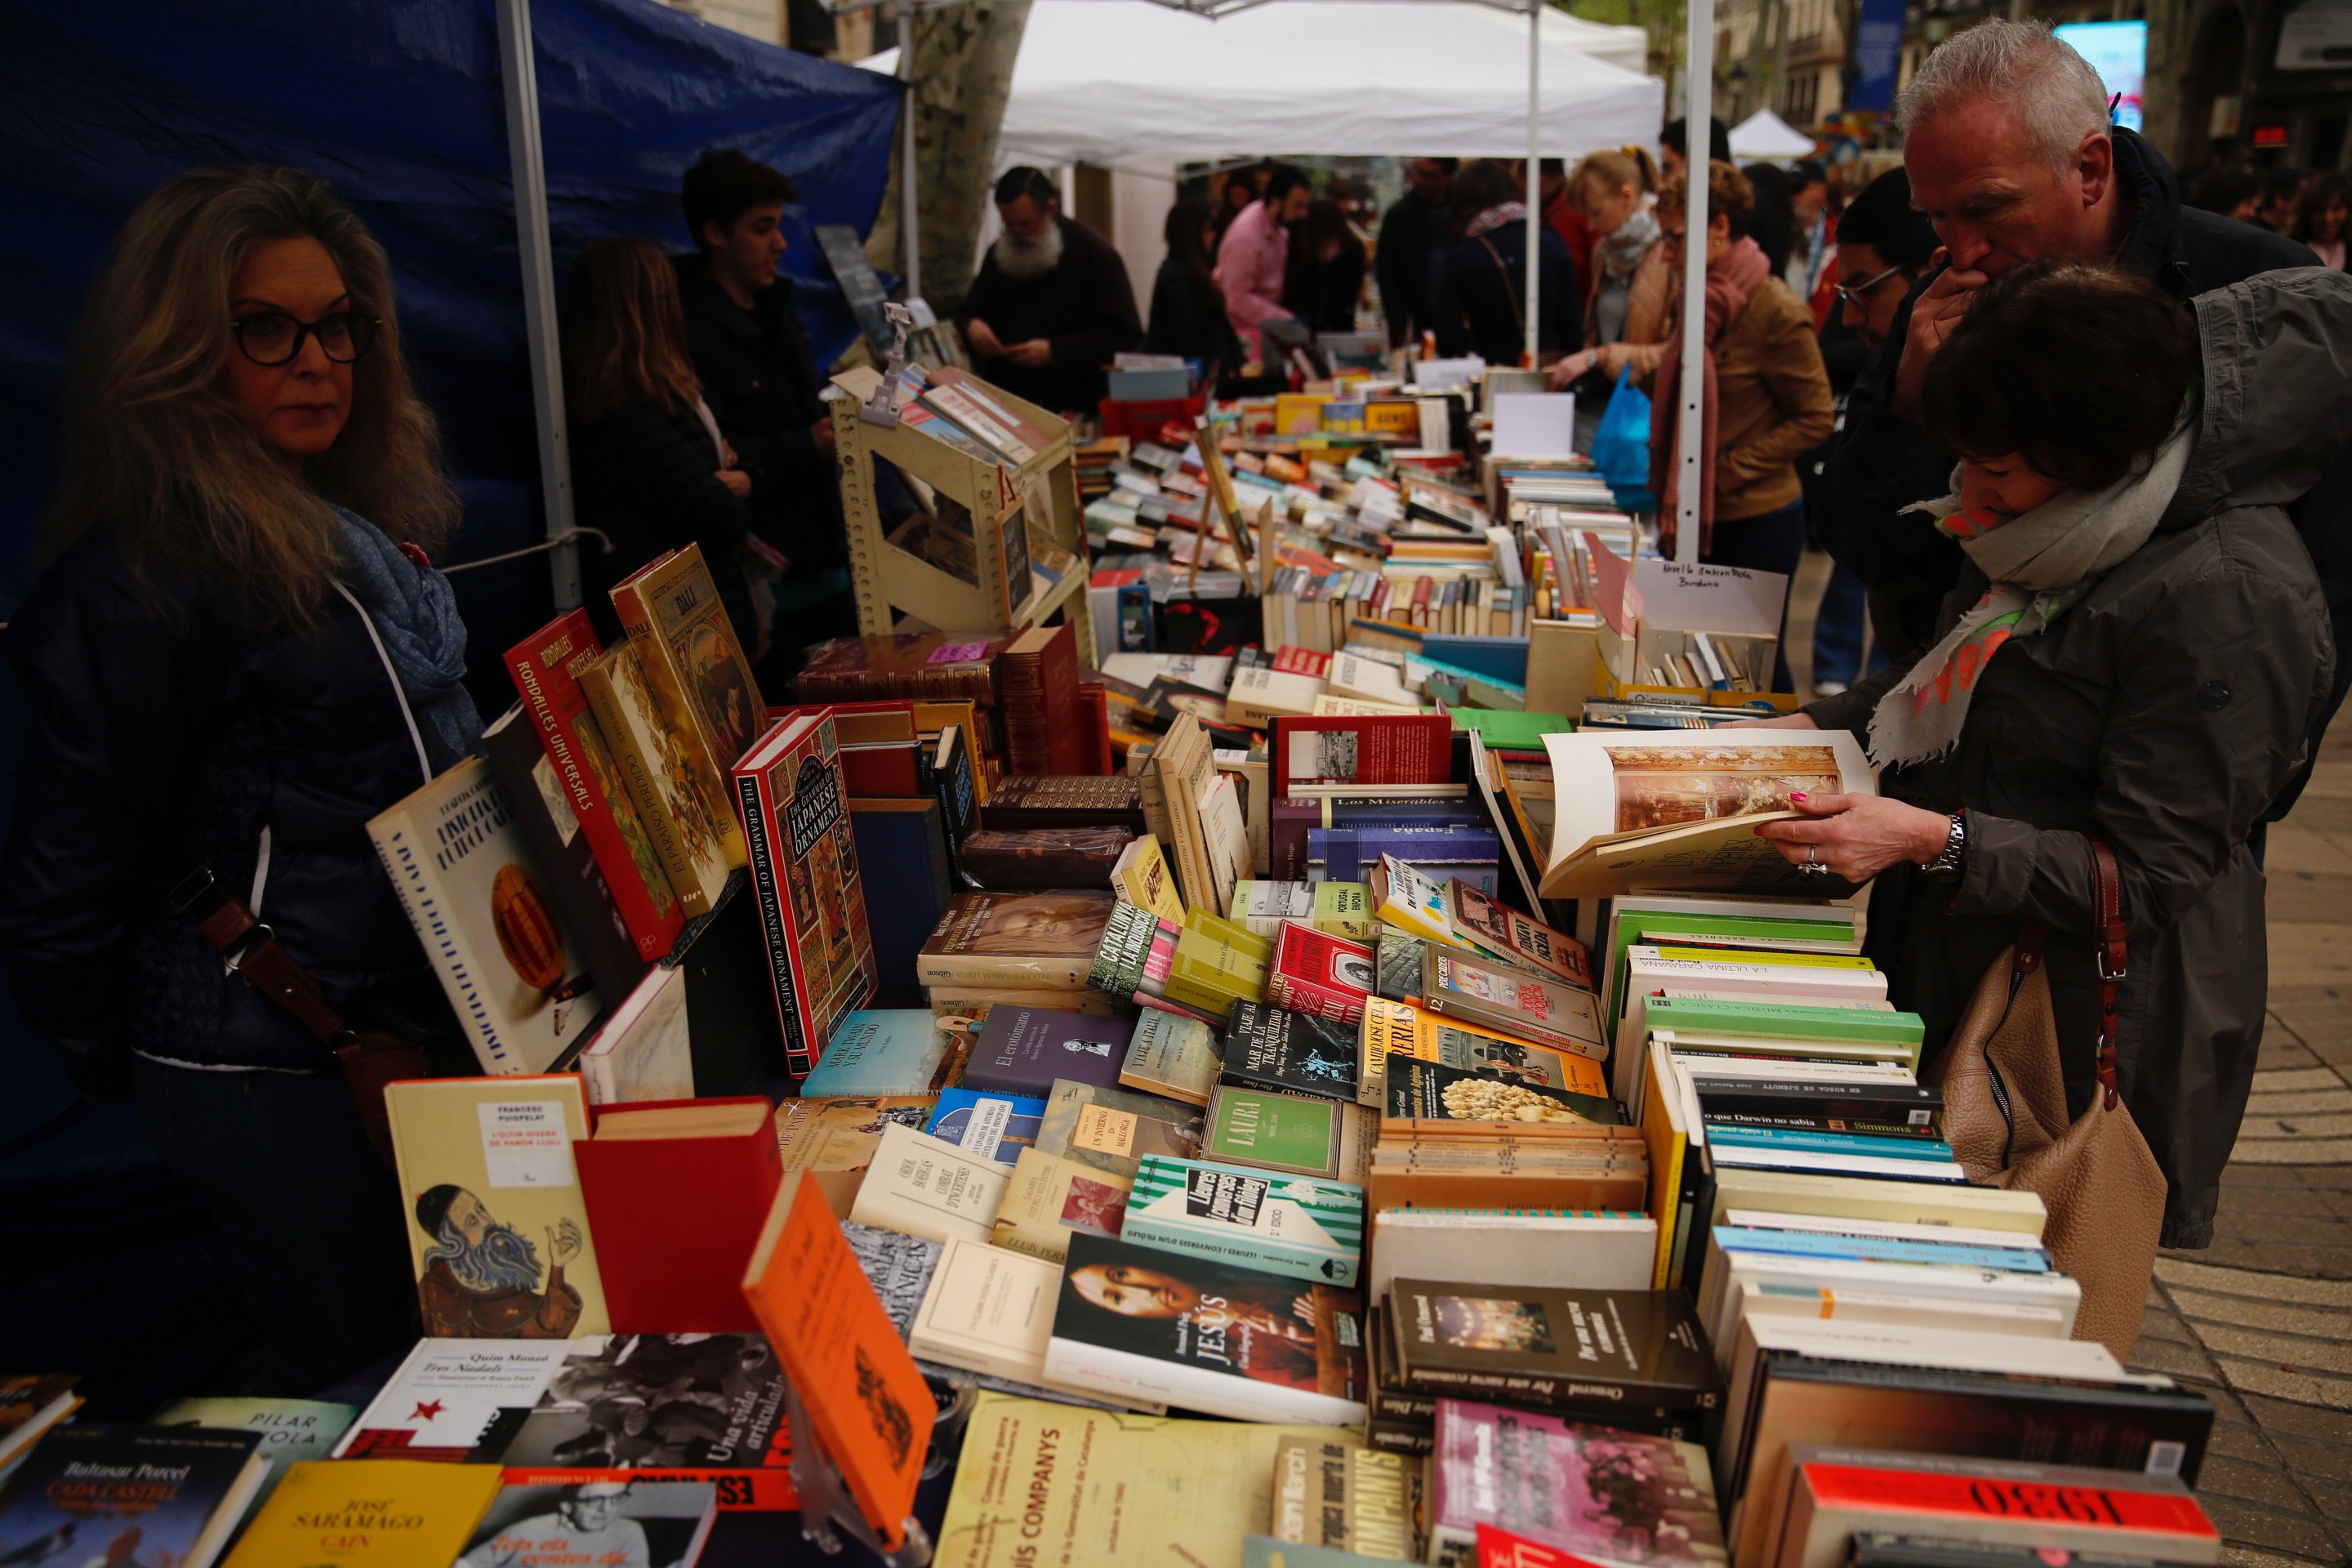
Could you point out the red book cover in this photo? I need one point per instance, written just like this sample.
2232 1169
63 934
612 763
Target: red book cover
1502 1549
1094 711
1069 747
2073 1498
677 1218
1315 973
883 770
1302 661
542 665
1364 749
795 807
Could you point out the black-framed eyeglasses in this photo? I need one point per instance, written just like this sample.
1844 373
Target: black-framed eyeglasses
1852 293
274 338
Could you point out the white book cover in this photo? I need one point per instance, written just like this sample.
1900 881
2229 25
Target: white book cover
1719 1301
928 1187
1891 1230
1775 1298
459 862
1913 1203
987 1309
643 1051
450 1396
1516 1248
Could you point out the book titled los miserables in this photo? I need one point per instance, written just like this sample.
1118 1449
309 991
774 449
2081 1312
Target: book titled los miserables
1581 1351
1299 1053
159 1493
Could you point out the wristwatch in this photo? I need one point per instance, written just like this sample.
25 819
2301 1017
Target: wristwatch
1956 847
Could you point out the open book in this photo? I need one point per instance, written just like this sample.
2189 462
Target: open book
1665 810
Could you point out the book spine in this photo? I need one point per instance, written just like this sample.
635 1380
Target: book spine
652 914
1028 736
641 776
404 853
583 896
775 924
1557 1393
1843 1141
662 677
1269 1257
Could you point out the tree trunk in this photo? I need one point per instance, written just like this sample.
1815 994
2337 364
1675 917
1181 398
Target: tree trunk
962 72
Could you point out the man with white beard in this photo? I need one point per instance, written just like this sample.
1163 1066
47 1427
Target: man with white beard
1052 303
481 1278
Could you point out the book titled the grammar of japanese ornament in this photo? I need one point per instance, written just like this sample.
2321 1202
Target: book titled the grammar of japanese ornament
515 979
804 862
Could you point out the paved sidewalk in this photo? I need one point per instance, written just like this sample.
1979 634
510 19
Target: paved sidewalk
2262 1321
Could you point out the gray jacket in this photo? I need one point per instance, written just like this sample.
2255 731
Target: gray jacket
2163 713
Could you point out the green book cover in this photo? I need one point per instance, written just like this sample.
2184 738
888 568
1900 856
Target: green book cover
1274 1132
292 1430
1295 1226
1687 1016
1640 927
1510 729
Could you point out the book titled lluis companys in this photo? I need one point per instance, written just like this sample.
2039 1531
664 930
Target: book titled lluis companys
516 981
803 865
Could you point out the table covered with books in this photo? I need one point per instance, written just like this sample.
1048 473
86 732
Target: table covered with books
1349 1089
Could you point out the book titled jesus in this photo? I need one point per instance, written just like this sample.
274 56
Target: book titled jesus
803 865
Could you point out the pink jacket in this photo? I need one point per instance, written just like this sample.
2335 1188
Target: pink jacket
1249 268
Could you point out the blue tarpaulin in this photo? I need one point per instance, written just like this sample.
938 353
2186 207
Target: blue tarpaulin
400 104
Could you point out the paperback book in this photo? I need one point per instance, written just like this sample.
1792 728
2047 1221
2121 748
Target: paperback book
1296 1225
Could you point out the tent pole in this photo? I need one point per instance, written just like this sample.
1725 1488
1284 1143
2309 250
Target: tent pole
520 75
908 210
1698 69
1535 174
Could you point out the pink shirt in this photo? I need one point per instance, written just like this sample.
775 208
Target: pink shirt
1249 268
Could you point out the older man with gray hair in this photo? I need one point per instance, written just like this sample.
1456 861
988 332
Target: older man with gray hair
2011 157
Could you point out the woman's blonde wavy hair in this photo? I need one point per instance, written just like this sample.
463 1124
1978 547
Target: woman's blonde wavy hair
155 448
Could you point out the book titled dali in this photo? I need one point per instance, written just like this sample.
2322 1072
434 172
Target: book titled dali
114 1495
804 864
498 1229
1297 1225
1206 1336
514 977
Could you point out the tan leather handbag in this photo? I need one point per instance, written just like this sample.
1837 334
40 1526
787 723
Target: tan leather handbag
2005 1117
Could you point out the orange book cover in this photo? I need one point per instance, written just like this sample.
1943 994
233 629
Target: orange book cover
858 1385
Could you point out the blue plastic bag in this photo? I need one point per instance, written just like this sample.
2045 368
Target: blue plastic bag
1620 447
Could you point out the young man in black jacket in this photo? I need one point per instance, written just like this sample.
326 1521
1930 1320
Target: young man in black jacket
2010 155
760 376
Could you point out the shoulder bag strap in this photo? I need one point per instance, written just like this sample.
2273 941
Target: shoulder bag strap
1518 316
2112 948
247 944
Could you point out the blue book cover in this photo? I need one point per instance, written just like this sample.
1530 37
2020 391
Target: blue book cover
902 845
1346 854
119 1494
1880 1249
991 1125
879 1050
1735 1136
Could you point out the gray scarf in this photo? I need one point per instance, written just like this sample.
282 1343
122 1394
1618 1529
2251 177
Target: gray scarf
414 612
2039 564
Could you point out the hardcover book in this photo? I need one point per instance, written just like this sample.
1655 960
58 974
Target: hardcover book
985 1123
1115 1129
701 680
1049 1197
1064 800
514 978
1015 941
860 1388
545 670
1398 748
110 1494
1616 1499
560 852
1172 1055
1398 1028
455 1402
30 1403
1023 1050
367 1514
897 1050
1346 1498
1572 1350
901 846
601 1517
1296 1225
804 866
1430 1093
643 1051
677 1194
1317 974
498 1227
1512 936
1565 1017
1140 877
938 666
1038 859
1270 1131
1206 1336
292 1431
687 838
928 1187
1037 688
1273 1048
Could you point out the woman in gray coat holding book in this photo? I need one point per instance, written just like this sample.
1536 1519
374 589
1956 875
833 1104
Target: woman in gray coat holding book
2135 651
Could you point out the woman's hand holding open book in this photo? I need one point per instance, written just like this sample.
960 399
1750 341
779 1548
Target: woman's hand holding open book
1857 835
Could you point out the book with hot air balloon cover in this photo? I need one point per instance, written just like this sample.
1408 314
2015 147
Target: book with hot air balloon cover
513 974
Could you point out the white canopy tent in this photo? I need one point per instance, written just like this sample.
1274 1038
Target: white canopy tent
1131 84
1765 138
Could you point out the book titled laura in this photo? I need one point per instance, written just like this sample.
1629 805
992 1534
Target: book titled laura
1297 1225
804 864
1206 1336
109 1494
1621 1499
1299 1053
458 861
365 1513
1574 1350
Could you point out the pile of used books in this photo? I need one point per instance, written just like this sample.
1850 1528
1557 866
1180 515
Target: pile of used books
1289 1105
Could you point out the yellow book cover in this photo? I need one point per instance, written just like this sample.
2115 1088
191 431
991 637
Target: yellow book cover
1051 1486
368 1513
1050 1197
1401 1028
699 676
1763 955
652 764
498 1232
1141 878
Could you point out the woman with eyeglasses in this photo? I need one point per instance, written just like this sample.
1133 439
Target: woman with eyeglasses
238 652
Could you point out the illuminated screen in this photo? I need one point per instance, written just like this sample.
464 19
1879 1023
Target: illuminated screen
2118 52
